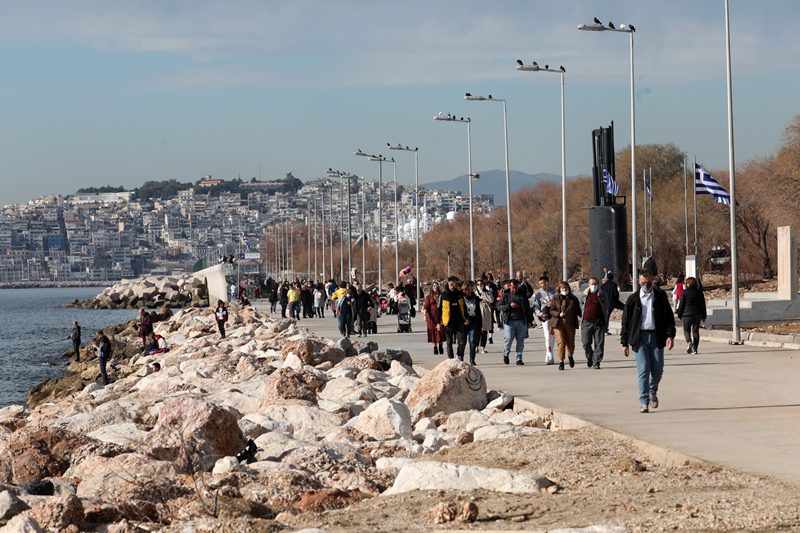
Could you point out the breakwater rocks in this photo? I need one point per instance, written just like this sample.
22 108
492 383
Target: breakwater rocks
149 292
244 433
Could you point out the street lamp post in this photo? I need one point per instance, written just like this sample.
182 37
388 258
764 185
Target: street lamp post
341 233
346 176
629 29
534 67
453 118
322 219
396 229
363 229
471 98
736 338
416 213
380 159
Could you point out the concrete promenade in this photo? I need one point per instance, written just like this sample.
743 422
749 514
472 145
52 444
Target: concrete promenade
736 406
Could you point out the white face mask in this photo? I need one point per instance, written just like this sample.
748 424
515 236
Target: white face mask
564 292
593 288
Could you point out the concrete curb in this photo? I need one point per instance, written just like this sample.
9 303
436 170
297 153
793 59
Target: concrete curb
749 338
655 453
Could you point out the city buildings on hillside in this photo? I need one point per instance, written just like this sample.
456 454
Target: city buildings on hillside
109 236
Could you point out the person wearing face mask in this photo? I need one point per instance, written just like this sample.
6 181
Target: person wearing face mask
648 325
431 307
452 317
474 322
541 310
593 325
565 313
487 313
515 310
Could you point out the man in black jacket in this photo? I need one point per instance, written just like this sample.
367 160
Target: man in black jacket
609 287
452 317
647 326
515 310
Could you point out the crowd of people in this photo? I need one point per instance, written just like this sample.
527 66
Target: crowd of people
461 318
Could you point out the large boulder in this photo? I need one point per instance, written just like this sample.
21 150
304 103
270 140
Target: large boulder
451 386
310 423
360 362
313 351
432 475
384 420
129 476
42 452
288 384
387 355
190 430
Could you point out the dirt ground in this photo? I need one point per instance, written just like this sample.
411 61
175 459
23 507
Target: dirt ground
602 480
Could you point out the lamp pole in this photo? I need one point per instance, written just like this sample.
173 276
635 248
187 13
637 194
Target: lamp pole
737 339
346 176
330 230
363 230
629 29
322 219
416 214
534 67
470 175
396 229
316 243
472 98
380 159
341 233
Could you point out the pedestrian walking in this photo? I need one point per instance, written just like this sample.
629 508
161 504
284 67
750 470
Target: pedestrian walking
692 311
515 310
565 314
611 290
648 325
273 299
541 310
319 300
103 346
75 337
344 310
362 302
294 295
145 327
284 298
221 316
487 313
474 319
431 308
593 325
452 317
677 291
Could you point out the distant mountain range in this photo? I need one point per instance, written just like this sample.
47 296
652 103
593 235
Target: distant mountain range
494 182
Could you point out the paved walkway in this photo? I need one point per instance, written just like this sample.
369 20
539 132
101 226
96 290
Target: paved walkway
737 406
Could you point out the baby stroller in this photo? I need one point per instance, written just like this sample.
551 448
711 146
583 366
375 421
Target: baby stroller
404 315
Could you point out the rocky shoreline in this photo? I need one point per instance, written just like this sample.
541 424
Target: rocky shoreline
245 433
149 292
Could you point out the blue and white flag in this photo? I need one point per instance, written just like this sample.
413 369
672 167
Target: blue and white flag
705 184
647 187
245 241
611 186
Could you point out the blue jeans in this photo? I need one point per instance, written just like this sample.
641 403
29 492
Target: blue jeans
650 366
514 329
473 336
103 373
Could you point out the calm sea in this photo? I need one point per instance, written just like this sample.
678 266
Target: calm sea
33 327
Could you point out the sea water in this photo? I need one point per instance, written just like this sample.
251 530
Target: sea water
34 325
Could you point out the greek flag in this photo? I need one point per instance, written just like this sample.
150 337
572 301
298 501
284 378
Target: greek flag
705 184
245 241
648 188
612 187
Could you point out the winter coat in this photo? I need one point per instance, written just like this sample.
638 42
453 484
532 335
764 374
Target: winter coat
663 319
693 303
571 308
487 305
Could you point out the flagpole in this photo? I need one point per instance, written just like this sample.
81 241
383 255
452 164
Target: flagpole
644 214
732 179
650 194
694 187
685 207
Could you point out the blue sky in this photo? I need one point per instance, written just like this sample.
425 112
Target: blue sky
111 92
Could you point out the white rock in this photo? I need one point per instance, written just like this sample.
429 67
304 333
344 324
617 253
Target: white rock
273 446
405 383
503 431
310 423
430 475
397 369
342 373
226 465
369 375
123 433
22 524
346 389
466 421
424 424
91 387
270 425
433 442
396 463
293 361
383 420
503 401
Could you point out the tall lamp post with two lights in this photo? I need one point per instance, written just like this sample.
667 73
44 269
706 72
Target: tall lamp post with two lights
473 98
629 29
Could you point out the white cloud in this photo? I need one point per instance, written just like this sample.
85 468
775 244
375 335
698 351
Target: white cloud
356 43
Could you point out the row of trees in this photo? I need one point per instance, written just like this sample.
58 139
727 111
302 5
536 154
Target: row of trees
767 192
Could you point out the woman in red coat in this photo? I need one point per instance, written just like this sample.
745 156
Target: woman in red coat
431 307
